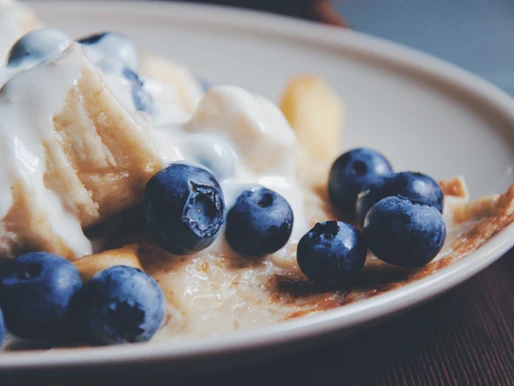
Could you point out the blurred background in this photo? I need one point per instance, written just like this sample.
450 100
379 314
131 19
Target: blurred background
474 34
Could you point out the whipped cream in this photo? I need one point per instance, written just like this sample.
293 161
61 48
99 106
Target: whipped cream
42 44
164 99
113 45
23 133
172 98
243 138
6 74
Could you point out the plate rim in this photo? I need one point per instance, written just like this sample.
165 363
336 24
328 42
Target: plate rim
328 322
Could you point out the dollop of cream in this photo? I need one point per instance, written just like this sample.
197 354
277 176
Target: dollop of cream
165 98
28 102
243 138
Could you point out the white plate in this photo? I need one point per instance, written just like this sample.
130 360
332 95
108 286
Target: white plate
422 113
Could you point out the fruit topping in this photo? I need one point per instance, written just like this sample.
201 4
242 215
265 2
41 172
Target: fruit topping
404 233
332 254
417 187
122 305
184 208
36 294
260 222
351 172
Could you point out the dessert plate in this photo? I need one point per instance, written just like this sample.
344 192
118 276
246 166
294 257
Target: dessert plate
422 113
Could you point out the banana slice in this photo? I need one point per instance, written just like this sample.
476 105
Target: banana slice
168 73
88 266
72 156
316 114
16 19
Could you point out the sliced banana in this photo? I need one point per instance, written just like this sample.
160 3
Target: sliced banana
187 88
72 162
316 114
88 266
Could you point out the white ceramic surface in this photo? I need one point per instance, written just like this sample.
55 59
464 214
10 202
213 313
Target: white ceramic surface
422 113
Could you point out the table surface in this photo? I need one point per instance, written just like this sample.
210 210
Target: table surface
463 337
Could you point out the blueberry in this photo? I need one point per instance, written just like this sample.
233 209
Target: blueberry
332 253
122 305
259 223
2 327
184 208
404 233
111 44
92 39
417 187
351 172
37 46
142 100
36 294
4 264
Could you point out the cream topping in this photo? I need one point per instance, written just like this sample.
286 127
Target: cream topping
243 138
28 101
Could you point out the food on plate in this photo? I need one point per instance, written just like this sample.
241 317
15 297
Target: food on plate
353 171
37 291
89 265
403 232
73 170
139 206
332 253
312 107
417 187
16 19
35 46
260 222
188 89
103 47
184 208
122 305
